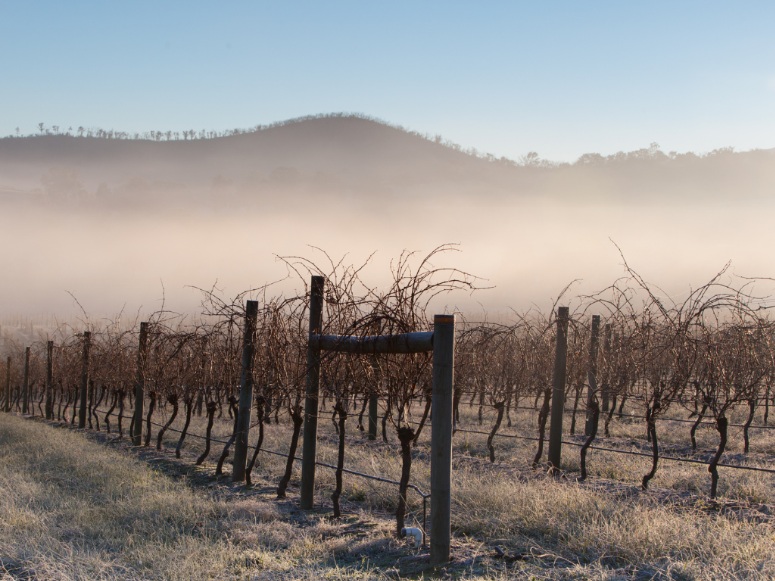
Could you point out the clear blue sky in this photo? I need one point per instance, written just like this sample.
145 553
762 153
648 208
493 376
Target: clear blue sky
560 78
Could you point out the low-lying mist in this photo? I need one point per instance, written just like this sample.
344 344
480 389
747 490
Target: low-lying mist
527 252
128 223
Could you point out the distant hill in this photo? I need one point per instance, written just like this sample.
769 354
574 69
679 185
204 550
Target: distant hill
334 144
353 155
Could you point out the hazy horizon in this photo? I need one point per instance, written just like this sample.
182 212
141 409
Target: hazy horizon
595 86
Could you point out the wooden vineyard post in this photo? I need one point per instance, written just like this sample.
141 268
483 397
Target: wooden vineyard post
84 378
246 393
558 389
142 357
311 401
441 437
8 385
593 349
49 380
26 384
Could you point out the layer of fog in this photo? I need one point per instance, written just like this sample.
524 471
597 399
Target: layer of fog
527 251
122 223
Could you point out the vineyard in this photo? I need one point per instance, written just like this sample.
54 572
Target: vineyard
626 391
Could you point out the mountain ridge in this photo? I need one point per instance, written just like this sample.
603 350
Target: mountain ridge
357 154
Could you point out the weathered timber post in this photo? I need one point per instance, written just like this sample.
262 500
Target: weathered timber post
607 356
84 378
8 385
246 393
26 385
142 358
311 402
558 389
594 345
49 380
441 437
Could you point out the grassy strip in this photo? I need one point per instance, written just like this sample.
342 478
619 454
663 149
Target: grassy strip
587 530
74 509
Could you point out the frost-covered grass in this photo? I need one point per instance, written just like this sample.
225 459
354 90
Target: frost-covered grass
72 508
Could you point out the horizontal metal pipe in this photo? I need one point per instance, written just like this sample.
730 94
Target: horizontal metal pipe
404 343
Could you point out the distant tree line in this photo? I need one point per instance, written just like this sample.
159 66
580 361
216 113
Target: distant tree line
531 159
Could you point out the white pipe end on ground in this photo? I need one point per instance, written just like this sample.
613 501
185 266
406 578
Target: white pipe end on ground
416 533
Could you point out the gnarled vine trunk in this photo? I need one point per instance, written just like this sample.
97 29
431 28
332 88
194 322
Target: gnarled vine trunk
121 396
151 408
457 393
76 400
260 403
594 419
575 410
542 417
90 408
110 411
212 407
652 429
697 423
721 425
342 412
426 411
610 416
173 399
405 436
751 412
225 454
363 410
188 405
298 421
388 413
97 405
500 407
